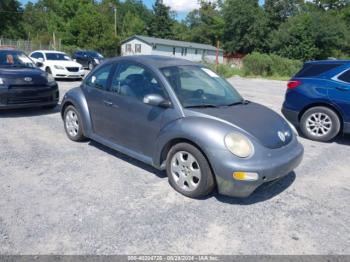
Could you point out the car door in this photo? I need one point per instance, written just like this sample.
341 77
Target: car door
339 92
135 124
96 88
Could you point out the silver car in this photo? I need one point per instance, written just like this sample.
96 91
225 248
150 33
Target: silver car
182 117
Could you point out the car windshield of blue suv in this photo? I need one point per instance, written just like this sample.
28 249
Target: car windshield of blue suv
10 59
95 55
200 87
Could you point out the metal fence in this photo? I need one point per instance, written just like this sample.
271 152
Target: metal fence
26 46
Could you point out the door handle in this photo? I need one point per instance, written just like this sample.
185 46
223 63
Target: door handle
107 103
341 88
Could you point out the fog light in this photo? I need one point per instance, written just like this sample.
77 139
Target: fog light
245 176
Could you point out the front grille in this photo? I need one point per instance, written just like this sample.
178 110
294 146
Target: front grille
28 100
72 69
29 87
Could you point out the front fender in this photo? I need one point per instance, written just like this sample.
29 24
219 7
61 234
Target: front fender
207 134
77 98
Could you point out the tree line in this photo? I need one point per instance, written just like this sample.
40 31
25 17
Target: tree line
295 29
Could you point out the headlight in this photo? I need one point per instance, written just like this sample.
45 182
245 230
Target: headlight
239 145
97 61
58 67
81 68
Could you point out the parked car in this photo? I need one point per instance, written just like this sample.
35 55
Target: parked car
318 99
89 59
23 84
58 64
180 116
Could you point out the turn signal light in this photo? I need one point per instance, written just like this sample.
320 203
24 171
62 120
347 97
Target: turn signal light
245 176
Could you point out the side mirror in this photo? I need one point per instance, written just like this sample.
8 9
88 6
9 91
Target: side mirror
156 100
39 64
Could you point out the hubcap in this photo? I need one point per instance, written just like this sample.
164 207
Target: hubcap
72 124
319 124
185 171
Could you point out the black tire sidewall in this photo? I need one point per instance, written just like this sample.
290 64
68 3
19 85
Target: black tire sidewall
207 182
332 115
80 135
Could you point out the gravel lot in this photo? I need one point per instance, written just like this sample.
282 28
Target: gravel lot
61 197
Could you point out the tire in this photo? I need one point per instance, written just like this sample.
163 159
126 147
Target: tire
90 66
192 176
320 124
73 131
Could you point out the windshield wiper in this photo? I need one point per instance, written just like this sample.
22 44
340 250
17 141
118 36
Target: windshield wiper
242 102
202 106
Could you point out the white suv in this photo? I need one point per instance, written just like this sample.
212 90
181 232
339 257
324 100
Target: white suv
58 64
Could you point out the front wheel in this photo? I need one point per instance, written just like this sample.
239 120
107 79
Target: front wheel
320 124
188 171
72 124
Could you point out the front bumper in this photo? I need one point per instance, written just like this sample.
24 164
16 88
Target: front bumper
25 97
270 164
57 73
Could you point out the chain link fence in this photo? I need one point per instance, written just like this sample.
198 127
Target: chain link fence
27 46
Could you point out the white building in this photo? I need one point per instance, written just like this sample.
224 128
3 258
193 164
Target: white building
144 45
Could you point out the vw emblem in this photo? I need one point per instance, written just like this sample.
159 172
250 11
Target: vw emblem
28 79
282 136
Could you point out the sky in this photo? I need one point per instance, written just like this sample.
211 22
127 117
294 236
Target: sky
182 7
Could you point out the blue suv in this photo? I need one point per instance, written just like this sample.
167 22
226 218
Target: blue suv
318 99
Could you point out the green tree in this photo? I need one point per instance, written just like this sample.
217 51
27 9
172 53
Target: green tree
313 35
278 11
10 19
162 21
205 24
245 26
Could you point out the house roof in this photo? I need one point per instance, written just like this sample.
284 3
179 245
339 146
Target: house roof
168 42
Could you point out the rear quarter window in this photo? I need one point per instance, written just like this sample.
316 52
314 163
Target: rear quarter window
345 76
311 70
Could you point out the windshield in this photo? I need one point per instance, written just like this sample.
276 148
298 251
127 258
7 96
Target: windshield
57 56
197 86
95 55
15 59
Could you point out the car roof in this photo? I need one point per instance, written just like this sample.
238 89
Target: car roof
155 60
334 61
48 51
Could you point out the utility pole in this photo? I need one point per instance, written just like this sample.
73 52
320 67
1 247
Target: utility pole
114 8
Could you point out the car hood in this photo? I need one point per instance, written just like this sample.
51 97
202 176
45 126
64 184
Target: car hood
63 63
265 125
17 75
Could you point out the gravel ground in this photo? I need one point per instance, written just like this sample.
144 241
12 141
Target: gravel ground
61 197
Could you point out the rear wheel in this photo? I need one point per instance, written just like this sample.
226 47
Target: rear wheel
188 171
72 124
320 124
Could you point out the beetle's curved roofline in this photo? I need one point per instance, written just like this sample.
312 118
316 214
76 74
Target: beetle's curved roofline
155 60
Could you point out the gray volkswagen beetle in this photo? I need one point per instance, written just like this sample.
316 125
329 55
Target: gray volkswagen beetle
182 117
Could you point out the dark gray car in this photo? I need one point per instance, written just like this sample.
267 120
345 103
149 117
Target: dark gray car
181 117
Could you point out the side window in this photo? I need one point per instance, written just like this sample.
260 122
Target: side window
310 70
345 77
135 81
40 55
99 79
34 55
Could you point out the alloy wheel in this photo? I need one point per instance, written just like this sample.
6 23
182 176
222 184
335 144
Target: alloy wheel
72 123
319 124
185 171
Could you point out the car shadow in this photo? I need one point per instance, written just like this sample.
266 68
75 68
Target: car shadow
28 112
343 140
130 160
263 193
